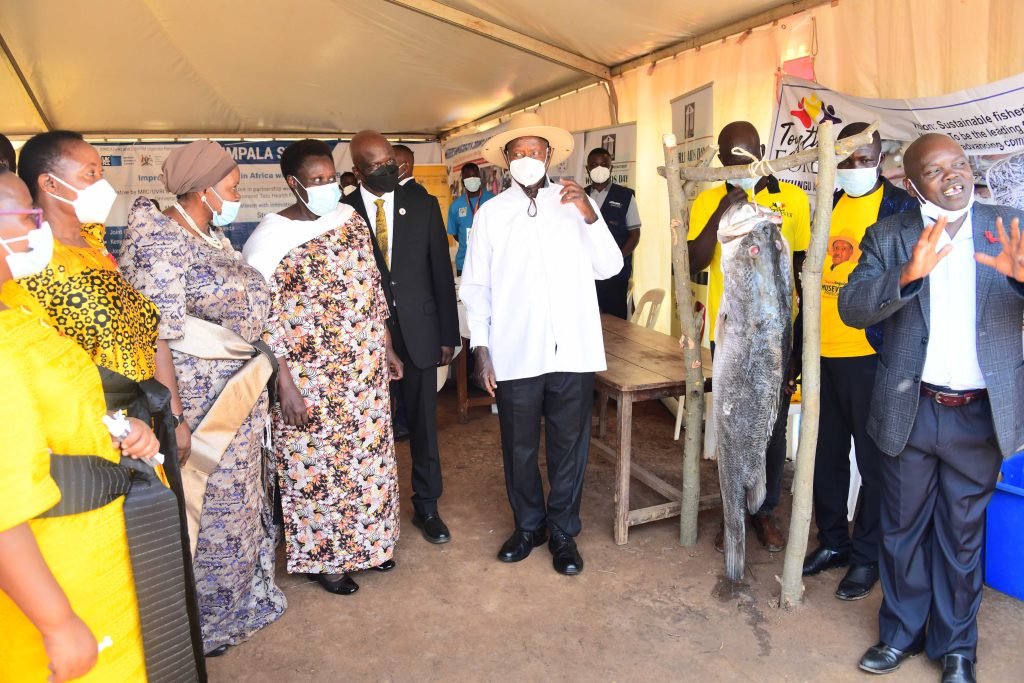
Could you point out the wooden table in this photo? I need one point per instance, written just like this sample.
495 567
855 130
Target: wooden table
643 365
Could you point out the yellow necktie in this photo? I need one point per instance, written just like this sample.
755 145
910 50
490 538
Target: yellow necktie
382 231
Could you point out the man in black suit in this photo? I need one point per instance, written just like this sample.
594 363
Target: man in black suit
406 163
411 249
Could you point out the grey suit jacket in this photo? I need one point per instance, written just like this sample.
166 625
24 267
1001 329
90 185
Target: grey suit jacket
873 296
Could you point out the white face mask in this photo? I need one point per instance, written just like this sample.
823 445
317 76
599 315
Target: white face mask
527 171
93 203
857 182
322 199
348 189
600 174
228 210
472 184
35 260
932 211
746 183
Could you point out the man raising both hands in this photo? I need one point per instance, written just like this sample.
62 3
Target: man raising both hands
948 401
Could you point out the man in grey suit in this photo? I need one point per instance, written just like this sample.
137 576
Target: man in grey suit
948 401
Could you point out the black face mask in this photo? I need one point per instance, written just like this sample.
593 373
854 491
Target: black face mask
383 179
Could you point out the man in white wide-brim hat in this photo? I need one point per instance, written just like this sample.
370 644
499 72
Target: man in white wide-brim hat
528 287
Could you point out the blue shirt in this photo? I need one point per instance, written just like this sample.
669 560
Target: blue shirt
460 220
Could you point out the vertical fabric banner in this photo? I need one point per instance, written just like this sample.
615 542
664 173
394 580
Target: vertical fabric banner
693 126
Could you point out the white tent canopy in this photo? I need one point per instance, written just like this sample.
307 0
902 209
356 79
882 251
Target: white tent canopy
267 67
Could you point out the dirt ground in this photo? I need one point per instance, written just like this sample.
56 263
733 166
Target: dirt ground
650 610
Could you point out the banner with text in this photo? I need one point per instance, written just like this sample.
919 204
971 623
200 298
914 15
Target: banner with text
694 127
134 171
987 121
693 122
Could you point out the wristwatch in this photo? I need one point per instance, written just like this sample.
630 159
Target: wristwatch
178 420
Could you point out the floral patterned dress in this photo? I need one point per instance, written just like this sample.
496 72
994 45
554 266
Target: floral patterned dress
234 558
337 475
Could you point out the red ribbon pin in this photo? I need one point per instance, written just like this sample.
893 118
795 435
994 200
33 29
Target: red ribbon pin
990 237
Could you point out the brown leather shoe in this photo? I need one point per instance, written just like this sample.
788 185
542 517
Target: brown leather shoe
767 533
720 538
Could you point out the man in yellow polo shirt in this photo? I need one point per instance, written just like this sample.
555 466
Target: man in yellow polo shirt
848 363
790 202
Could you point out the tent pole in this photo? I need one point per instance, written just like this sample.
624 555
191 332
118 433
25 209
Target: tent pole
24 83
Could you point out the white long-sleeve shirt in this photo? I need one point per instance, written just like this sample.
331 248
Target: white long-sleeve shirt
951 358
528 284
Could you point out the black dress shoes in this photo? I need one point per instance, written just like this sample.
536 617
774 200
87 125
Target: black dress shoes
858 582
384 566
520 543
883 659
343 586
433 527
957 669
824 558
565 556
217 651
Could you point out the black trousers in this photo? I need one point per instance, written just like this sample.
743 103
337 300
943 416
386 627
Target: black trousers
934 496
775 453
565 400
611 294
846 385
419 398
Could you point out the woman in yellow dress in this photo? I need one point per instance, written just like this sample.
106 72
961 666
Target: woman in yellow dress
89 301
67 594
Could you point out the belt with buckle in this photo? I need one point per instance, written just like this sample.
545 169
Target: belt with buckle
952 398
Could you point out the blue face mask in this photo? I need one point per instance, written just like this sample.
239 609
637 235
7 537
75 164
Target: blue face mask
321 199
228 211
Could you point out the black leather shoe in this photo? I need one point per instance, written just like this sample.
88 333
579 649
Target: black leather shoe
217 651
433 527
565 556
384 566
824 558
520 543
343 586
858 582
957 669
883 659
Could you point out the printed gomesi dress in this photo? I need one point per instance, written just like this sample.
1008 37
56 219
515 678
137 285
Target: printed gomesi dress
337 475
234 558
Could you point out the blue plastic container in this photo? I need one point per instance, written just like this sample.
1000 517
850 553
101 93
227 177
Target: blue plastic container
1004 541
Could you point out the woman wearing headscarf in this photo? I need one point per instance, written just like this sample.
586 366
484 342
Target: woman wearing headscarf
72 595
88 300
333 443
213 309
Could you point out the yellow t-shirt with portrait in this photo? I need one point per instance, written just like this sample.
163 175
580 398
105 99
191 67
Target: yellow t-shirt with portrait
851 217
790 202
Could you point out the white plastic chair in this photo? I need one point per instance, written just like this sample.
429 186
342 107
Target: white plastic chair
793 439
653 298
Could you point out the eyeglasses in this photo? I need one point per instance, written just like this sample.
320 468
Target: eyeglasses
37 215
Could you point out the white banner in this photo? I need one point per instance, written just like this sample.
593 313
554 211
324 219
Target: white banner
134 171
694 127
693 122
987 121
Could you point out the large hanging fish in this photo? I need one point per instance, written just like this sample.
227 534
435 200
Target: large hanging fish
753 340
